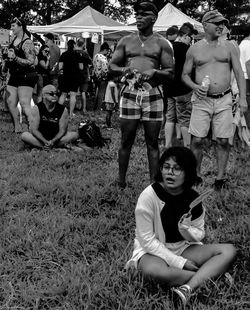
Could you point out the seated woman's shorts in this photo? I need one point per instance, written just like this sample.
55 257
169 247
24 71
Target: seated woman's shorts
28 79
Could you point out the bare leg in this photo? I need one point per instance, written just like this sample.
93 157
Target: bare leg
155 268
70 137
169 132
222 149
25 95
152 130
28 138
128 132
12 100
186 136
72 103
84 110
108 118
62 98
178 131
197 147
213 260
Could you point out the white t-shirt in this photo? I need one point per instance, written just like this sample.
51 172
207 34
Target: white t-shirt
108 96
244 55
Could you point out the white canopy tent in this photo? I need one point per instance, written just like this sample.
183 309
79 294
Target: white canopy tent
92 21
170 15
87 20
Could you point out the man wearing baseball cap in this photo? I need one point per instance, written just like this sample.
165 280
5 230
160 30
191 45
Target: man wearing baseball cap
147 58
213 58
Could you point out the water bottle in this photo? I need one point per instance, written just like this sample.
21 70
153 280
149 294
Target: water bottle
205 83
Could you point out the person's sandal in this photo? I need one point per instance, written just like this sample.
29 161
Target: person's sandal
181 294
221 183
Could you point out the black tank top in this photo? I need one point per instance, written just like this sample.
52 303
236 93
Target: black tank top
14 67
49 121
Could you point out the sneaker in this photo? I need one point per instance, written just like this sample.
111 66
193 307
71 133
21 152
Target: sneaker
221 183
182 294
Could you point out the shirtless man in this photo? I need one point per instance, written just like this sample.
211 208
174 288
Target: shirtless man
148 57
215 58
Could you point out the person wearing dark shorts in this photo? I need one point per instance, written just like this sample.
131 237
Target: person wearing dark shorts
179 95
20 63
84 73
69 78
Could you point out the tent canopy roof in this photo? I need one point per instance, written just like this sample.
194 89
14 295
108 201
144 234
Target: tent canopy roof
170 15
88 19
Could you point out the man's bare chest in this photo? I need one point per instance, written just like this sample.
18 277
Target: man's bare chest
212 55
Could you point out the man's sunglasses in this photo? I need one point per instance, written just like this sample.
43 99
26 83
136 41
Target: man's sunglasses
217 23
52 93
46 51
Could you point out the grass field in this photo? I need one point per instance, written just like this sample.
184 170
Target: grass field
67 231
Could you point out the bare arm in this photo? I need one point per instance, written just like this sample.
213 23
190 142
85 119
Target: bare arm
63 126
60 67
34 125
239 77
44 64
167 63
117 63
248 68
30 54
187 70
80 66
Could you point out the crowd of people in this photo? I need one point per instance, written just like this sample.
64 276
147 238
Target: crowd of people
165 82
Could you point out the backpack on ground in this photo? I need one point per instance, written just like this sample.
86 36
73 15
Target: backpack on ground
90 133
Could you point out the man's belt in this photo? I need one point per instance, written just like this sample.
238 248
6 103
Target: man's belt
220 95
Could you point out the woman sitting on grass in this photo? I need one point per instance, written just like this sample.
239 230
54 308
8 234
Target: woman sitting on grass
161 252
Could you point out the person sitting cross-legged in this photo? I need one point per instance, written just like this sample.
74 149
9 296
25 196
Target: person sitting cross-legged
49 123
170 227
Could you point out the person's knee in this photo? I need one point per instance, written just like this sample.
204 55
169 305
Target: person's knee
229 251
25 136
151 271
197 142
152 142
222 142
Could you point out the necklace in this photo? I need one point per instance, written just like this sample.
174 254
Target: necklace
143 42
209 43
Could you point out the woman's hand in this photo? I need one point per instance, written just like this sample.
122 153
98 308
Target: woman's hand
190 265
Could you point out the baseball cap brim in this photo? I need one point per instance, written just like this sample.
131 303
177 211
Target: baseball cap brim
146 6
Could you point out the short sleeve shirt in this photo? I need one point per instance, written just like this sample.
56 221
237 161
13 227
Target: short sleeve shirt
244 55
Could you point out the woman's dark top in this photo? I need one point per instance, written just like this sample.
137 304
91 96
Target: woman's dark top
39 68
174 208
15 68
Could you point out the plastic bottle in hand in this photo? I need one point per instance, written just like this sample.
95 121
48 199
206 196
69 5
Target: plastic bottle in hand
205 83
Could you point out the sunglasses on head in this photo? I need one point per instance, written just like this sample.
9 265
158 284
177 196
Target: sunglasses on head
52 93
17 21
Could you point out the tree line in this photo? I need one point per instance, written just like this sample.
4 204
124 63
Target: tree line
46 12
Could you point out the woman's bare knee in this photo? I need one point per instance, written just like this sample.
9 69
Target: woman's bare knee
229 251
